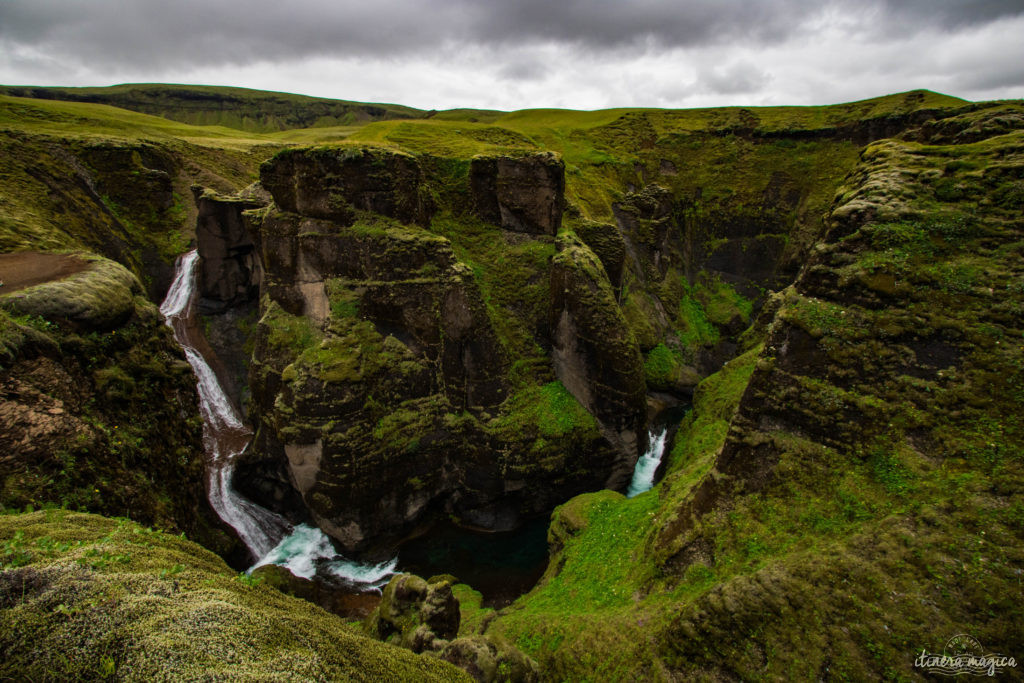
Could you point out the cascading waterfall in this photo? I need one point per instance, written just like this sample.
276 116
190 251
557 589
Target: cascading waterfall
270 538
647 465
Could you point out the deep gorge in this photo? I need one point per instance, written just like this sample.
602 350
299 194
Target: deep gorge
451 340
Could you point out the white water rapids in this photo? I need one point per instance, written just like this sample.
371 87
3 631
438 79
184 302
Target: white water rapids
647 465
268 536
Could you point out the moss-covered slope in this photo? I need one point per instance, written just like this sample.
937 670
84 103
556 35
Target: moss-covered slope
86 598
98 408
86 176
240 108
851 493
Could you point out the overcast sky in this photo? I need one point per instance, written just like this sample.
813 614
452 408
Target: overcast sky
514 54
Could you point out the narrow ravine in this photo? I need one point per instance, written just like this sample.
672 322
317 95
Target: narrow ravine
271 539
647 465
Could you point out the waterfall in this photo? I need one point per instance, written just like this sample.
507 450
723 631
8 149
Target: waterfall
268 536
224 435
647 465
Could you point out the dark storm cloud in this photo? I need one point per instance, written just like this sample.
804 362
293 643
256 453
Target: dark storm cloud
178 33
951 14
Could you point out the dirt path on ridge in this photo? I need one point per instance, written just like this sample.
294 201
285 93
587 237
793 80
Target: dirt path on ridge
26 268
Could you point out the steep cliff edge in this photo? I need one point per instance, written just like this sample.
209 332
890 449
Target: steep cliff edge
385 389
83 597
99 405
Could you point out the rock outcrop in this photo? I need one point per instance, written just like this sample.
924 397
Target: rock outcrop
595 355
416 614
423 616
230 267
334 184
521 193
381 385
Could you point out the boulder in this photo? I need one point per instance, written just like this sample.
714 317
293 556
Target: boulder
423 616
415 614
488 658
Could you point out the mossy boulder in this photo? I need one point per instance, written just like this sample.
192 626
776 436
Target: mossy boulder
84 597
491 659
423 616
416 614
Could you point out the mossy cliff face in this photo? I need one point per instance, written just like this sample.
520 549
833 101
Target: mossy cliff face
335 184
896 359
98 409
231 270
595 354
385 394
85 598
128 200
847 494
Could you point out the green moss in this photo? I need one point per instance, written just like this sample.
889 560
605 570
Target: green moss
473 615
723 304
660 363
85 597
549 409
693 326
100 296
285 332
344 301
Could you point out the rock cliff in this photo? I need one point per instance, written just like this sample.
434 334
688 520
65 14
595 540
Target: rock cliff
384 391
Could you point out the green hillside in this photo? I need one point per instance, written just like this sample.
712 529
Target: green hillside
239 108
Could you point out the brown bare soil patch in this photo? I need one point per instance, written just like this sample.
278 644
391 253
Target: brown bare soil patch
26 268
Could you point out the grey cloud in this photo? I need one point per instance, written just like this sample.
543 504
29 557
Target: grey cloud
732 79
523 70
990 76
950 14
180 33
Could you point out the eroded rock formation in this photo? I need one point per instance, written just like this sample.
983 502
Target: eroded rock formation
522 193
381 385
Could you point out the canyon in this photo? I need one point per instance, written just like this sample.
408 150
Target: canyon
804 323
